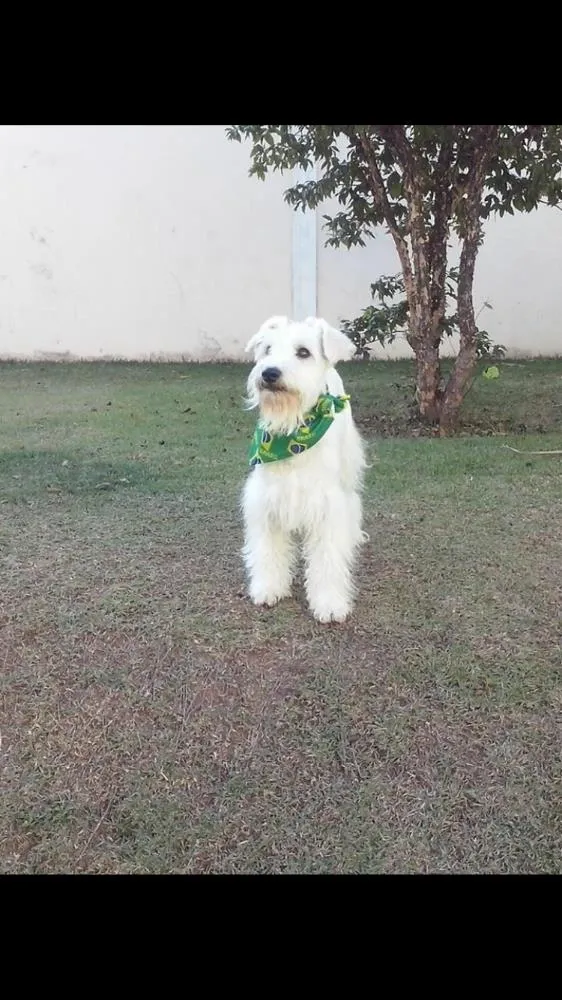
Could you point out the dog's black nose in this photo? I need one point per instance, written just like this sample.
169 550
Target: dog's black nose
270 375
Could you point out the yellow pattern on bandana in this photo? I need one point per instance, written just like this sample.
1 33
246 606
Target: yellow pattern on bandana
267 447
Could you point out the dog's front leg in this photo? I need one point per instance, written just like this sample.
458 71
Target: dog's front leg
329 554
269 553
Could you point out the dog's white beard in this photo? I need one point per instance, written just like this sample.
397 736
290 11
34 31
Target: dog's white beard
280 412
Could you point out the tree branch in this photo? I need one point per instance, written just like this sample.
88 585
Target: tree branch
443 184
414 177
485 140
523 451
376 183
397 139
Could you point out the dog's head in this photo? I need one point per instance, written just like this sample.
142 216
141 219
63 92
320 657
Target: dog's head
291 362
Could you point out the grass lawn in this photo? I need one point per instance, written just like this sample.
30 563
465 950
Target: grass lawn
152 720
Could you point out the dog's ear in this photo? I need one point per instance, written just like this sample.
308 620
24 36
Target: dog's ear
336 346
273 323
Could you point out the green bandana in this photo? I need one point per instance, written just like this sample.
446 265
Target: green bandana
268 447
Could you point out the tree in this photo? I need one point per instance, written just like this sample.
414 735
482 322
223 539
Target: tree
424 184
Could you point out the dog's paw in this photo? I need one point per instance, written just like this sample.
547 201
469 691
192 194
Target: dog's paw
266 599
331 613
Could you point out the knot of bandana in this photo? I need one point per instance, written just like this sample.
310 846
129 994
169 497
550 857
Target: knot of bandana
267 447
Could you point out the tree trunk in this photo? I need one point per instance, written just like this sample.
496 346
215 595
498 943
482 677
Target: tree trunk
457 387
427 318
428 380
467 357
471 233
458 188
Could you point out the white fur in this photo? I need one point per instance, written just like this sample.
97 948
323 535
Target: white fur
314 495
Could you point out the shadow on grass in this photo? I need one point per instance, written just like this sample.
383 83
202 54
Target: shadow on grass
28 475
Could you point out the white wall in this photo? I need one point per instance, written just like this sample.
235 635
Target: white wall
136 241
151 241
519 272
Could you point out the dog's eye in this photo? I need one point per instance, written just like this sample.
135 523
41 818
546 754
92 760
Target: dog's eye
267 350
303 352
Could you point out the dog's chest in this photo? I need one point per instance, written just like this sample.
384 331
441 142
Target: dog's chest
293 492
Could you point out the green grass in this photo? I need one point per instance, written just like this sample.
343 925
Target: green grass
152 720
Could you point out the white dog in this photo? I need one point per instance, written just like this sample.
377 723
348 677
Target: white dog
307 462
